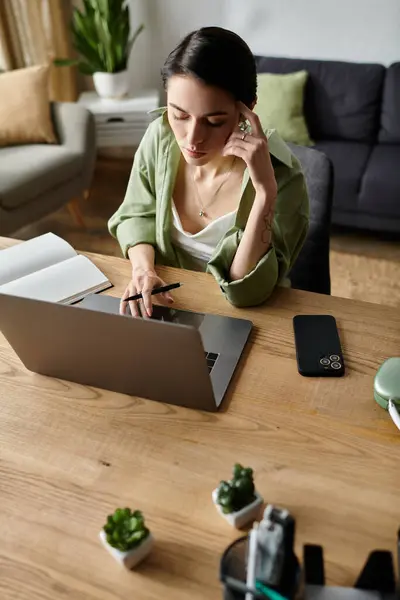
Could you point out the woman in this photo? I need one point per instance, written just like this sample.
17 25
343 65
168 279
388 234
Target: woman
209 189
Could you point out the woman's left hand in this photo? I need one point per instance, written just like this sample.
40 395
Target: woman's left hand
253 149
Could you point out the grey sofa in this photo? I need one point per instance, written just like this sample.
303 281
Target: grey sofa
353 114
311 270
37 179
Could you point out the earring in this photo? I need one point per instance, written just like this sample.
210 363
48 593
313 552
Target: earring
244 126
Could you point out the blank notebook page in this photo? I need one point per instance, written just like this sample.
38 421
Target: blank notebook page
66 282
33 255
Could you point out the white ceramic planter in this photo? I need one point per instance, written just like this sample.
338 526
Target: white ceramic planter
131 558
242 517
111 85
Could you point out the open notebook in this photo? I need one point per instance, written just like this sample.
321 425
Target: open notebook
48 268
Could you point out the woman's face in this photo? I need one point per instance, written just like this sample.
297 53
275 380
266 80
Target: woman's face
202 118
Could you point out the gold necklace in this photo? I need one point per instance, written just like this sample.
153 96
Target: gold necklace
202 211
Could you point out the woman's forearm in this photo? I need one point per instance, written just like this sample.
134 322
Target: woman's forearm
142 256
256 239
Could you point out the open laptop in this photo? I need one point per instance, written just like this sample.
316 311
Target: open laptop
177 356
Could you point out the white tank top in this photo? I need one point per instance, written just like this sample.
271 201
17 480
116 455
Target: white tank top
201 245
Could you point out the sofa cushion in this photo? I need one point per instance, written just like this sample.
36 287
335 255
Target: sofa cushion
342 99
30 170
380 189
349 160
280 100
390 116
25 107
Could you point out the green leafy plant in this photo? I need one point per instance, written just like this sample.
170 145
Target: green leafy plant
101 35
237 493
125 529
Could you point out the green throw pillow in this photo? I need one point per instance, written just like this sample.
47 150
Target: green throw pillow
280 105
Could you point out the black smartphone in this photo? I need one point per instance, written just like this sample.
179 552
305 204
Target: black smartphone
318 349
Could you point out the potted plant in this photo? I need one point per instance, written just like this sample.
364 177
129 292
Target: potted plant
101 35
126 537
237 500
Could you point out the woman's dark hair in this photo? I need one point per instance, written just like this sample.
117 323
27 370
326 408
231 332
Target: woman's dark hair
217 57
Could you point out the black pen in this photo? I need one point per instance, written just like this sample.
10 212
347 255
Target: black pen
159 290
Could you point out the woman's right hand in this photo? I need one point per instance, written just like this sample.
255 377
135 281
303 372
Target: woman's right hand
143 281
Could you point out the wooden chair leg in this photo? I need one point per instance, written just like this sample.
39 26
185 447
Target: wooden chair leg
76 213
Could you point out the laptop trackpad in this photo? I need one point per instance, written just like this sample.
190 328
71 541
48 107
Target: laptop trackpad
110 304
183 317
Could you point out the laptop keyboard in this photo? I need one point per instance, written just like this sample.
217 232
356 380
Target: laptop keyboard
211 358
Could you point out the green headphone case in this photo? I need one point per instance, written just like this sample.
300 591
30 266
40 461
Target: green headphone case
387 383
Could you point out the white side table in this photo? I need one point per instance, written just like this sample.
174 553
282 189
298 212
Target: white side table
121 122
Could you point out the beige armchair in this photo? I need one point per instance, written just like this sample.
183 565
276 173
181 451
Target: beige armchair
37 179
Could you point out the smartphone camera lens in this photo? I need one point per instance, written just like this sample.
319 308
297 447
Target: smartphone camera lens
325 361
336 365
334 357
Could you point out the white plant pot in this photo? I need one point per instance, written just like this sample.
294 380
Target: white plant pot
131 558
111 85
244 516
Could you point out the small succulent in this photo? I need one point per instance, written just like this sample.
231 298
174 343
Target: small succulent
125 529
237 493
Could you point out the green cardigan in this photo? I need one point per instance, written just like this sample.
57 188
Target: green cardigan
145 215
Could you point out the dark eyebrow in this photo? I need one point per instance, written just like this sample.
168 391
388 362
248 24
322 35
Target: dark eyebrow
217 113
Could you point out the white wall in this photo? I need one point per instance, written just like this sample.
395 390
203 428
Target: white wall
166 22
355 30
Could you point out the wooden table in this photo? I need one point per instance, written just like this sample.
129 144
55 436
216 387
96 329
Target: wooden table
70 454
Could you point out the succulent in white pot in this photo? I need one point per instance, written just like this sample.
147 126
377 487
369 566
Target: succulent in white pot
126 537
102 37
237 499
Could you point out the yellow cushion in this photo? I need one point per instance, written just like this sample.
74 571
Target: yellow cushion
25 107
